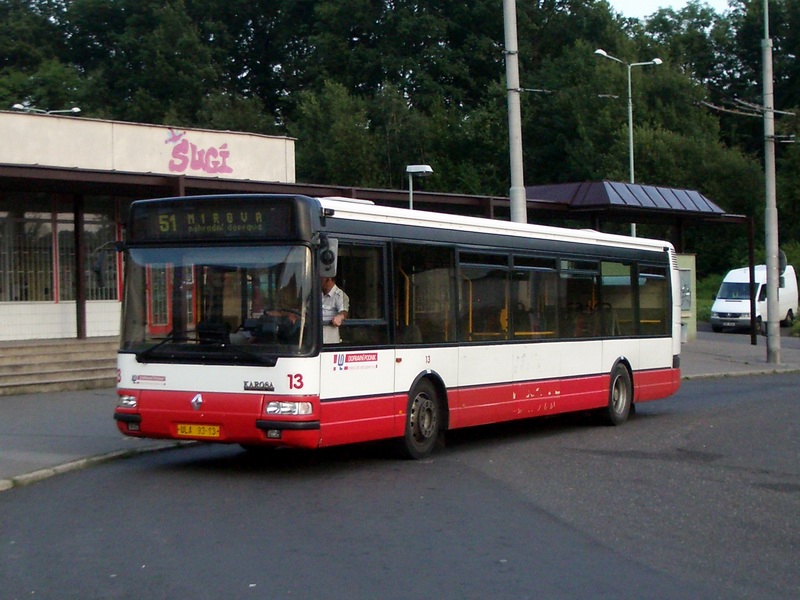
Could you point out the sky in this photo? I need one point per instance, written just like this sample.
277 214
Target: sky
644 8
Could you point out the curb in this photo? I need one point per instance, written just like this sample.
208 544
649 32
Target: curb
81 463
785 371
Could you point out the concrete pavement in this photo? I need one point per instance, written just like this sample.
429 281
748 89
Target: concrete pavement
42 435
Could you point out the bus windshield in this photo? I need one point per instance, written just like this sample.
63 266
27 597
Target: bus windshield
218 304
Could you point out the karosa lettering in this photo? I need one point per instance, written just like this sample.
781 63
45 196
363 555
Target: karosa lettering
262 386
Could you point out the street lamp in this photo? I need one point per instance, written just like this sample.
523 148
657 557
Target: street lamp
629 66
31 109
415 171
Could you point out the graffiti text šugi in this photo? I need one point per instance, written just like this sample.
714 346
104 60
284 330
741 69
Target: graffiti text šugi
186 155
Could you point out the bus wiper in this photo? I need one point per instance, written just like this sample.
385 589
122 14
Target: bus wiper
172 336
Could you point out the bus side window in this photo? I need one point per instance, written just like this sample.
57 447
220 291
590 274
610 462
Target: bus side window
424 302
617 299
361 274
579 295
484 297
654 300
534 296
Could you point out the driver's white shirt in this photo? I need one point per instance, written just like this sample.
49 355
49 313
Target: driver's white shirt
334 302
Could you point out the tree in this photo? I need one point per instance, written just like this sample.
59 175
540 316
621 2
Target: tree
335 145
31 70
144 59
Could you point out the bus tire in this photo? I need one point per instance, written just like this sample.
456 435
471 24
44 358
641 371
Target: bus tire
423 421
620 397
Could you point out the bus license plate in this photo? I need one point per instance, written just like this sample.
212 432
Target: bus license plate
198 431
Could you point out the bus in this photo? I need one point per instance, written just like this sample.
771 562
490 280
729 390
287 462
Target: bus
453 322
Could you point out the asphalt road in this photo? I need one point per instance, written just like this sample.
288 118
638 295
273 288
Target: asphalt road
697 496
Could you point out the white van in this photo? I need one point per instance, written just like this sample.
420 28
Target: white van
731 308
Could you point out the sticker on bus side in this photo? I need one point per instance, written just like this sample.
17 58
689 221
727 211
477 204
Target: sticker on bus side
152 379
351 361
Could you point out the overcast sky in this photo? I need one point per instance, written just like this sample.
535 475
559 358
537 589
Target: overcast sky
644 8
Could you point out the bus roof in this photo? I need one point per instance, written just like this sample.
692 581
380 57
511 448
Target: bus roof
361 210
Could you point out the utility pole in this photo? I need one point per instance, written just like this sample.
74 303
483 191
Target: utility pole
771 210
519 205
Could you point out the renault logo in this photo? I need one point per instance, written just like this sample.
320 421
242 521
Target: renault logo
197 402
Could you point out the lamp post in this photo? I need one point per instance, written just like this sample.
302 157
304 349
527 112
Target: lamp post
415 171
31 109
629 66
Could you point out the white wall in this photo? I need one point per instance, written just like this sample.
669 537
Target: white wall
81 143
48 320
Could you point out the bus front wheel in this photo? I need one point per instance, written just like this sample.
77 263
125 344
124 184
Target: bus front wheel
423 421
620 397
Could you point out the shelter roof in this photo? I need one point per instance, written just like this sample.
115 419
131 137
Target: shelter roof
627 198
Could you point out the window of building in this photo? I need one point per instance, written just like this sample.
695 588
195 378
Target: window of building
99 256
37 248
26 248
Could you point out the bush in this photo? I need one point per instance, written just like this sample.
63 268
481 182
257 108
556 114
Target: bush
707 288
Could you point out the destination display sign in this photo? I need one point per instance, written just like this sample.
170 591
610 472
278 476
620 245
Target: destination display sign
189 219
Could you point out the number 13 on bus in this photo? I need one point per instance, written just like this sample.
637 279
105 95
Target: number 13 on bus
451 322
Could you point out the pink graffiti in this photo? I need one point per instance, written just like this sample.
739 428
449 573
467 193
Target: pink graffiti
174 137
209 160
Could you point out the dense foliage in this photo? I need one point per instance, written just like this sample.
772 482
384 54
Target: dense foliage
368 86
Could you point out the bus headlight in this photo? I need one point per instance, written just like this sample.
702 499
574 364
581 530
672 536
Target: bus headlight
127 402
288 408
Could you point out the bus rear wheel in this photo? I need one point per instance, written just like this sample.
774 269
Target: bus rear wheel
620 397
423 421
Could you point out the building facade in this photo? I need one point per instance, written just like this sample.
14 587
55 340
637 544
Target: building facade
65 187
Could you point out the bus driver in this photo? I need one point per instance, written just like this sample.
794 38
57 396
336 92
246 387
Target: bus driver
335 308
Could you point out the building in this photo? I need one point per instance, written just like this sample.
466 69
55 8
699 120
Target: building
65 186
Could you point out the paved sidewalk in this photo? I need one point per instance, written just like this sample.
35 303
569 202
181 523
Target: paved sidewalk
45 434
731 354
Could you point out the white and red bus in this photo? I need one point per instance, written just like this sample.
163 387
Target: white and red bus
454 322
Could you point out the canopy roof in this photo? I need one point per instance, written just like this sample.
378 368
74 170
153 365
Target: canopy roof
624 199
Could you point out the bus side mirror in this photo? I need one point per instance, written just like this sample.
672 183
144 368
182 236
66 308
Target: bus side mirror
328 255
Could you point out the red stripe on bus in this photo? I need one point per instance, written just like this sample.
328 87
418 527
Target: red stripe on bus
346 421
